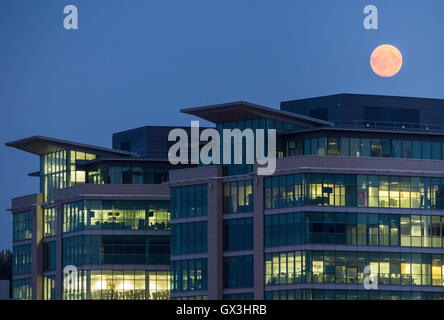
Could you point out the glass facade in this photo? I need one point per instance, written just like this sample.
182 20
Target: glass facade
77 176
362 229
189 237
128 175
22 259
366 147
341 267
22 225
113 266
239 296
189 201
49 222
58 171
285 267
319 294
49 288
238 272
254 124
189 275
116 249
49 256
199 297
22 289
53 173
285 229
238 234
238 196
317 189
116 214
119 285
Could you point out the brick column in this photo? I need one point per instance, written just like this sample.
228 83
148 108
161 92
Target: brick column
37 249
258 237
215 254
59 252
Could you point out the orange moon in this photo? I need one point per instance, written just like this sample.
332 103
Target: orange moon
386 60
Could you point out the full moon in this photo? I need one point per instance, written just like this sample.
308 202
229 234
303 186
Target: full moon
386 60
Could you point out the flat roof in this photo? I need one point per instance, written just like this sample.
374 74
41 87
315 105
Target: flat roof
363 129
384 99
242 110
40 145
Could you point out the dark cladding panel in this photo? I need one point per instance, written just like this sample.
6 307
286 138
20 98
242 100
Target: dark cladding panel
135 140
370 107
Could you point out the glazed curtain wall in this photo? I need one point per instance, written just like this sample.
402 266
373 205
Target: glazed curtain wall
319 294
189 238
53 173
189 275
128 175
409 269
365 147
238 234
238 272
115 214
189 201
22 289
316 189
239 296
238 196
119 285
49 256
81 250
22 225
354 229
203 297
49 222
262 123
22 259
58 171
49 288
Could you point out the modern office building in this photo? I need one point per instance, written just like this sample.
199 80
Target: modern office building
354 209
103 211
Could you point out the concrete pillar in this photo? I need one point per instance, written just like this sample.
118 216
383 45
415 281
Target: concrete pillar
37 249
215 253
59 252
258 238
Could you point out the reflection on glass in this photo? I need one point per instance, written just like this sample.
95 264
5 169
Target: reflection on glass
348 268
119 285
353 190
107 214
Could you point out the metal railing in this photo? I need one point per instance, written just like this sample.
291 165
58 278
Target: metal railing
389 125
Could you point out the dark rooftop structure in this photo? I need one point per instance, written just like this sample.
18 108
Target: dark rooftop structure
150 142
373 111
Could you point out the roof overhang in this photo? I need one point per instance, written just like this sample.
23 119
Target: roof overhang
34 174
43 145
241 110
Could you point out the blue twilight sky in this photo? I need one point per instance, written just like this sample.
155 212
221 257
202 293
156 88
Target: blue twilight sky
134 63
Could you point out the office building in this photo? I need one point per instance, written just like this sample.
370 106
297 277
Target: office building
354 209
